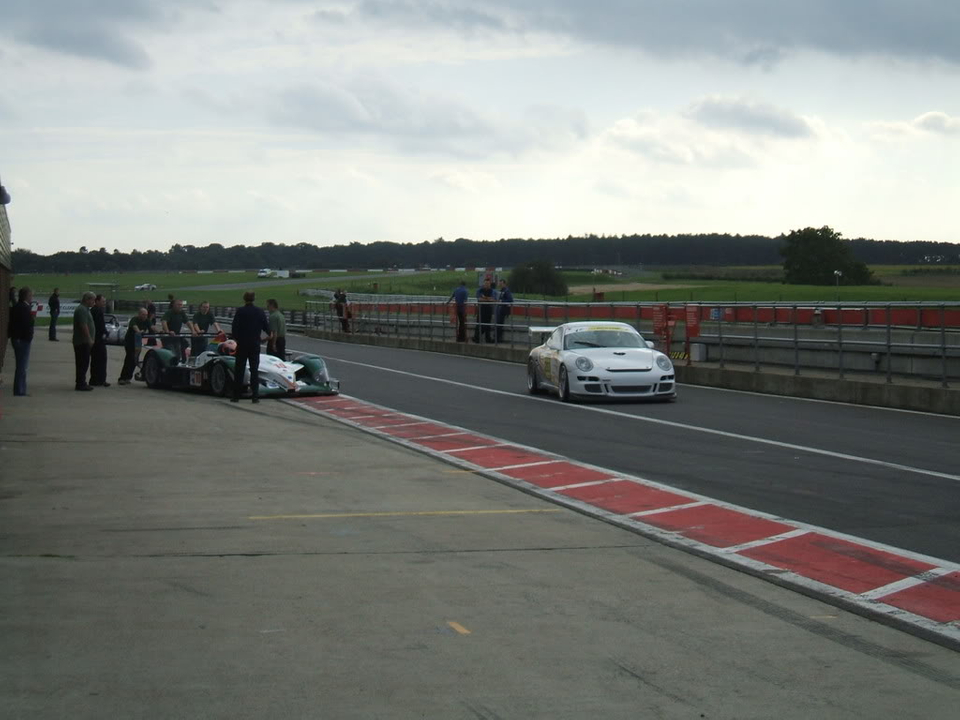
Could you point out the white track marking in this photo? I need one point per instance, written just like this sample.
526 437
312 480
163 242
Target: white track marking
905 584
669 508
764 541
671 423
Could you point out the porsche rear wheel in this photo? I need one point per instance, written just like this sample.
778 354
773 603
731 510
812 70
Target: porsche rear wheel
152 371
218 380
533 382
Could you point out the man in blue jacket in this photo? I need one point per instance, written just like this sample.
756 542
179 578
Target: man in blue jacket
248 323
504 306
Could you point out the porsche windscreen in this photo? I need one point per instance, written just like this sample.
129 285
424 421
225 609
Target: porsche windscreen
602 339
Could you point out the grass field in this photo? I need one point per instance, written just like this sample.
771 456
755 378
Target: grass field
897 287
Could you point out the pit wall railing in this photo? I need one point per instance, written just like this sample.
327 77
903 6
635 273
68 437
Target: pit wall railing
895 341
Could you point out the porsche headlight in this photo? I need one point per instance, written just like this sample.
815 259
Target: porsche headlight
663 362
584 364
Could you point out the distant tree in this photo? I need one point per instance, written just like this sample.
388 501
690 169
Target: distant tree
812 256
539 277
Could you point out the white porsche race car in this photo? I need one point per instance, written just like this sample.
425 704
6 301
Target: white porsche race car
599 359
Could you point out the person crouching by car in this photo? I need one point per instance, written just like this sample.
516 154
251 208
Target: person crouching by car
277 342
173 321
21 335
248 322
202 321
132 342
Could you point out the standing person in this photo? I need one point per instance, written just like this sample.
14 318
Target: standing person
173 321
277 342
504 308
98 356
54 304
461 295
342 309
21 335
132 342
84 333
202 321
486 298
248 322
152 317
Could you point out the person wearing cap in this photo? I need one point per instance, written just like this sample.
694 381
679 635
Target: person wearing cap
173 321
98 356
249 322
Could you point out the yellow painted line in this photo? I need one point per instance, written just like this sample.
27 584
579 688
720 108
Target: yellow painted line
458 627
400 514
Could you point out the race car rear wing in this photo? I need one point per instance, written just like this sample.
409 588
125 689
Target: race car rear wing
541 332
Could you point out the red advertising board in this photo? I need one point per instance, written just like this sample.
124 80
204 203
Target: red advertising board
693 320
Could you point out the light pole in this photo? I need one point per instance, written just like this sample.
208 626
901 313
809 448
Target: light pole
838 274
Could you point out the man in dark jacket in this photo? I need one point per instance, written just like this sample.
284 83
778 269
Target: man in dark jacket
54 304
504 306
98 355
21 335
248 323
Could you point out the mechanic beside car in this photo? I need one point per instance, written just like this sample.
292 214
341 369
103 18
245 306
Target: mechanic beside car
248 322
202 321
132 341
173 321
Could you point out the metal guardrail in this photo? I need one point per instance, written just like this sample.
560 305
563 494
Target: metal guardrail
920 334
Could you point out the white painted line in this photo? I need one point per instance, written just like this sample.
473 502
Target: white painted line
558 488
477 447
905 584
671 423
670 508
396 425
525 465
765 541
441 435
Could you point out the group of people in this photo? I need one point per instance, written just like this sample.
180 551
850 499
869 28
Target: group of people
493 309
90 336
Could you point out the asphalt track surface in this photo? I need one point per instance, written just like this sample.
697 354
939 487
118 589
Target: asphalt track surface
887 476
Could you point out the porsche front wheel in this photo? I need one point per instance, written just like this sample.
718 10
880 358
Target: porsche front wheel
564 386
533 381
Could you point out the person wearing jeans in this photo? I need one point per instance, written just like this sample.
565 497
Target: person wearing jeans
21 335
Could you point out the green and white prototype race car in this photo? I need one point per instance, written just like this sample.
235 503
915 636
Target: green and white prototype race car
213 370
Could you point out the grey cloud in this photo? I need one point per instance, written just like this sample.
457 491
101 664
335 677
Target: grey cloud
746 31
383 111
103 30
747 116
938 122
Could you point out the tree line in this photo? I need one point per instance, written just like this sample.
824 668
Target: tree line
711 249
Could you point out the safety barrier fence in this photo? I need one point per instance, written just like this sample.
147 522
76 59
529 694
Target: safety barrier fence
895 340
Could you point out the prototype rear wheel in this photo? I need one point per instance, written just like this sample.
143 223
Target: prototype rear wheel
218 380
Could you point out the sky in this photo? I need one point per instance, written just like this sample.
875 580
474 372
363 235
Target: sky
137 124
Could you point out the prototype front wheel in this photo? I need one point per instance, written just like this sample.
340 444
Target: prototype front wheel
218 380
152 372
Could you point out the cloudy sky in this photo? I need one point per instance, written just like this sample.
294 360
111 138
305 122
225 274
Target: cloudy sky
142 123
